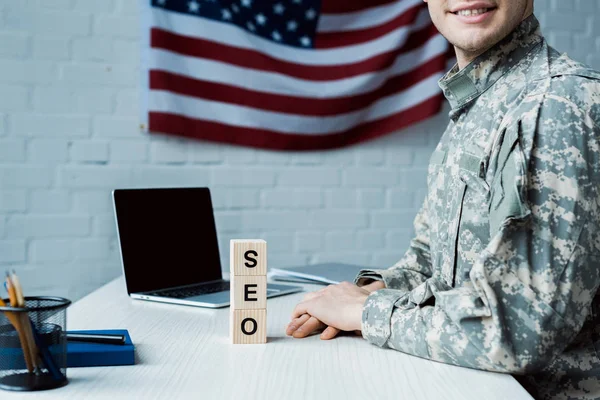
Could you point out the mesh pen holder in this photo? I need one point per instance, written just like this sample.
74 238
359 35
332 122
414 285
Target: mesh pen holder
33 346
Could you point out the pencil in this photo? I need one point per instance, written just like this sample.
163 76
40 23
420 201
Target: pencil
26 321
17 322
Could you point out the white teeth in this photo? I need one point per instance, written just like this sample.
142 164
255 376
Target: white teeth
468 13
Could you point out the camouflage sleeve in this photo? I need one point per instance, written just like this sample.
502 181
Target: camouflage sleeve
414 268
532 285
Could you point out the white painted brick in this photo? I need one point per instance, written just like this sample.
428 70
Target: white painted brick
307 158
390 219
266 220
14 98
309 241
117 26
13 200
128 7
92 49
287 260
371 198
126 51
401 199
228 222
92 73
399 239
119 127
350 257
101 176
12 251
386 259
45 226
368 240
104 225
279 242
73 100
339 241
565 20
416 176
308 177
371 177
247 176
292 198
104 6
92 201
127 102
401 156
3 124
44 22
370 156
48 151
2 226
26 71
561 5
242 198
205 153
268 157
25 176
341 198
49 201
332 219
92 249
239 155
587 7
50 250
50 125
51 48
89 152
168 151
561 40
170 175
14 44
12 150
128 151
56 4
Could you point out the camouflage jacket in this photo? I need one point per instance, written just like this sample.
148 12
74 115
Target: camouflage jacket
503 270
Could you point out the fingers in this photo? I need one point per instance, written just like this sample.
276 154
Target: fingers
310 326
299 310
296 323
329 333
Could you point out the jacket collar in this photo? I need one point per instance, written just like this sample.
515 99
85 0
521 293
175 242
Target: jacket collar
461 87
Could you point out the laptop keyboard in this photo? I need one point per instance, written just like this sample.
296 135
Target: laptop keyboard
192 291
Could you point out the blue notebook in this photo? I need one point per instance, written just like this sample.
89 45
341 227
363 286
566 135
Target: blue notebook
81 354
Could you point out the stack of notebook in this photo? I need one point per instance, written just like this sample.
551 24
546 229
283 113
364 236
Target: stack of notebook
324 273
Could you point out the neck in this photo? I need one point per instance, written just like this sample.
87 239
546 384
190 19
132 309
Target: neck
464 57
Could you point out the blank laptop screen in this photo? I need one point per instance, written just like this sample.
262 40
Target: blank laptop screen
167 237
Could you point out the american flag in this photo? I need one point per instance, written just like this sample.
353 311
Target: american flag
289 74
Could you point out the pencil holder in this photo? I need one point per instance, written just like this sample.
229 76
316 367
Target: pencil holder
33 346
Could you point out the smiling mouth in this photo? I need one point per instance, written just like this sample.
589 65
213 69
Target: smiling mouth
470 13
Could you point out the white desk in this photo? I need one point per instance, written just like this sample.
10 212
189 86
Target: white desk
184 353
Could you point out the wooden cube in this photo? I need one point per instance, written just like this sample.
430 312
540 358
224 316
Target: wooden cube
248 257
248 292
248 326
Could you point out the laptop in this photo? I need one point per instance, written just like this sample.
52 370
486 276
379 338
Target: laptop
169 247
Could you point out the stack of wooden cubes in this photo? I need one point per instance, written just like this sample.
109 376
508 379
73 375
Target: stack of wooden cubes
248 276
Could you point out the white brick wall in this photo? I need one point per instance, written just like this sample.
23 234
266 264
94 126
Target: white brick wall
69 134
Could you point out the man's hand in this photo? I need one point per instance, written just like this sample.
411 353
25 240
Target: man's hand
344 302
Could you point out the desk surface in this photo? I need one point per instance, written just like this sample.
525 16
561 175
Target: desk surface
184 352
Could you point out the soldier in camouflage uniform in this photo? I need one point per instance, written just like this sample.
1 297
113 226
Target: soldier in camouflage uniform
503 272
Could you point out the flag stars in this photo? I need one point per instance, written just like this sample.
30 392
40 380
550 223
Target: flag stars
278 8
260 19
310 14
194 6
292 26
247 3
297 1
251 26
276 36
161 2
305 41
235 8
226 14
